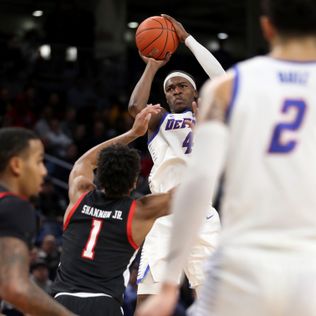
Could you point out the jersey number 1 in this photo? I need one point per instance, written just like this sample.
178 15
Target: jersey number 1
278 146
88 251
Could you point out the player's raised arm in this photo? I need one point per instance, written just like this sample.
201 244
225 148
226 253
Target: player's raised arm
148 209
205 58
81 176
141 92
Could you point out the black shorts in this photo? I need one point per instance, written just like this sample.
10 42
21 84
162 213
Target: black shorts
91 306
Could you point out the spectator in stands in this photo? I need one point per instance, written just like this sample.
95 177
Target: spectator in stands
33 255
50 253
81 138
57 140
49 200
40 275
42 125
69 123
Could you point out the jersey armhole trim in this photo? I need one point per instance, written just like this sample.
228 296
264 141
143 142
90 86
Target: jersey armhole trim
129 225
73 209
4 194
158 128
234 94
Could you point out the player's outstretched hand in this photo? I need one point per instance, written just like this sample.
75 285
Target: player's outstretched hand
181 32
162 304
142 119
195 108
154 62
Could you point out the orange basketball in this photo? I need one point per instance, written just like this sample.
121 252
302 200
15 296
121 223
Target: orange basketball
155 37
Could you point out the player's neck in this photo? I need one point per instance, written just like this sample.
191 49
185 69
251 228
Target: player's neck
297 49
10 184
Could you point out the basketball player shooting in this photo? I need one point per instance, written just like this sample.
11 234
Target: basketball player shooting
170 145
258 124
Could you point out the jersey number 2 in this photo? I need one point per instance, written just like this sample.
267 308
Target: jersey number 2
88 251
284 147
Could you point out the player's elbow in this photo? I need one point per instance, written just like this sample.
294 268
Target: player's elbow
13 291
133 109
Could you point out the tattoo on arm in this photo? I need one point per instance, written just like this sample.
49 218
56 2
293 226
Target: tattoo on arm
215 97
15 285
216 111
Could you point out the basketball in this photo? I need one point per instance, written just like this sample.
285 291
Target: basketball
155 37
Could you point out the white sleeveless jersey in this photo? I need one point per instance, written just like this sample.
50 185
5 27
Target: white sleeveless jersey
270 179
170 147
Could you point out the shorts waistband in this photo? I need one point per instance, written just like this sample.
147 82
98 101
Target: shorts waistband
83 294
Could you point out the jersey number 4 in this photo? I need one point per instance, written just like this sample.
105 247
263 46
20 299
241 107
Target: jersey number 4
279 146
187 143
88 251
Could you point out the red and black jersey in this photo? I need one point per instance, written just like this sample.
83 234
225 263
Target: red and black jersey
97 246
17 217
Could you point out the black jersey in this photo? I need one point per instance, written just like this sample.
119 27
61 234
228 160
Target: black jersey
17 217
97 246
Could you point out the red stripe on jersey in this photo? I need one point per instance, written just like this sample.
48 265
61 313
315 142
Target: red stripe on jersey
4 194
73 209
129 225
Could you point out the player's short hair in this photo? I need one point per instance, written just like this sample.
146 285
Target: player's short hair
291 17
117 169
13 142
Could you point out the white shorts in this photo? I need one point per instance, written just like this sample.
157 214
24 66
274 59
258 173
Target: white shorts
261 283
154 253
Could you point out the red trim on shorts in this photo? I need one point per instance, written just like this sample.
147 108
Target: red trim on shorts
129 225
73 209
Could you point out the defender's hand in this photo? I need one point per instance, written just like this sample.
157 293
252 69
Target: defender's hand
142 119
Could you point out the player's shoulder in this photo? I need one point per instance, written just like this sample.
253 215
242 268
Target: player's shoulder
17 218
15 210
222 87
13 203
253 63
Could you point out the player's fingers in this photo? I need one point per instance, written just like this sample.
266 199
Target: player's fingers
144 58
195 108
168 17
168 56
150 109
171 19
153 107
189 124
148 117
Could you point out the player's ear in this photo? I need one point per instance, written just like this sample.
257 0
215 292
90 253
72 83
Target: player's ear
196 96
16 165
268 29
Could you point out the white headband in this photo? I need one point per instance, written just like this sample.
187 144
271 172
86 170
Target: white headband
178 74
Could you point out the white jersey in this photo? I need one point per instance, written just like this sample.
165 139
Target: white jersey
170 147
270 179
